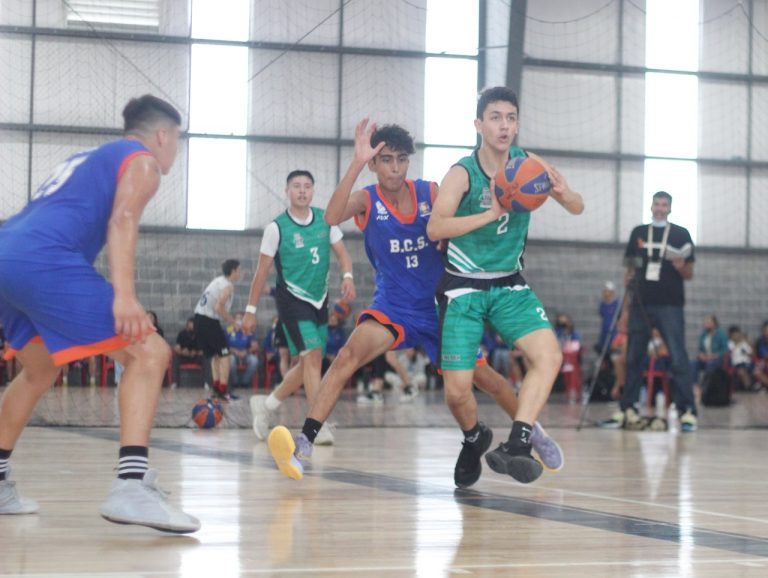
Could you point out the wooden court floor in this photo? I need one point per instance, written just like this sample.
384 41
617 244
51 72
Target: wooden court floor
381 502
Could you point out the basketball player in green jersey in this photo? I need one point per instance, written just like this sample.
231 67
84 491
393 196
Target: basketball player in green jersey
299 242
483 282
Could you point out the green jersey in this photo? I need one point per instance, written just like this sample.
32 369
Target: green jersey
495 249
303 257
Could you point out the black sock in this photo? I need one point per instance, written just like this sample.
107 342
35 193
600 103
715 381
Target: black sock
520 436
310 429
133 462
471 436
5 456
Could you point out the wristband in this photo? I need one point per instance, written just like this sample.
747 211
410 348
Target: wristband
250 309
347 275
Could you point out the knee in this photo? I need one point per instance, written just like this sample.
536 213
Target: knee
457 397
347 357
549 361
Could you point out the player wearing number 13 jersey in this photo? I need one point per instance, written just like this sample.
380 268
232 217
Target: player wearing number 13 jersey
393 215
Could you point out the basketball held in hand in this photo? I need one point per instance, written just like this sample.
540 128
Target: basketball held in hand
522 185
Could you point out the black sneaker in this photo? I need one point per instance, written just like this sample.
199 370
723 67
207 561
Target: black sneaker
468 466
515 462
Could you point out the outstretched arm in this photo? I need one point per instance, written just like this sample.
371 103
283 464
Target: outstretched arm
344 204
137 186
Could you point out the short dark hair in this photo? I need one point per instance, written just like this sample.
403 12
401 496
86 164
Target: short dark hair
495 94
228 266
141 113
299 173
663 195
396 138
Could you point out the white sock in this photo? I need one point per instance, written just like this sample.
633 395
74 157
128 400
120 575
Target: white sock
272 403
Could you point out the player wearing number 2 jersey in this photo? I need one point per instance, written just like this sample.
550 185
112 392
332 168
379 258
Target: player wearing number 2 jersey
57 308
483 282
393 216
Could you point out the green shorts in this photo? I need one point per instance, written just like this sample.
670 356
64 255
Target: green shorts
513 311
304 335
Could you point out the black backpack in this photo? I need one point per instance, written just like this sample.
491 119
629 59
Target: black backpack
716 388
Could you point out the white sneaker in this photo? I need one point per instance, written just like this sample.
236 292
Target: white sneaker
325 435
11 502
260 416
141 502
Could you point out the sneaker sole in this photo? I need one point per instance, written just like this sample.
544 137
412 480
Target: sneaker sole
524 469
160 527
547 467
282 446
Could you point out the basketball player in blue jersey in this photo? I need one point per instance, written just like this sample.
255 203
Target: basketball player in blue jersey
56 308
393 217
483 281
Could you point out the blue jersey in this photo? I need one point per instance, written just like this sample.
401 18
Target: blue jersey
71 209
49 288
408 265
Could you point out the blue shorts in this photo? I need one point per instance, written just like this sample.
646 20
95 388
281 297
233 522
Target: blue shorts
63 302
412 327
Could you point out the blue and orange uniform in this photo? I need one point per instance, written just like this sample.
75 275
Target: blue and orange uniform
408 266
52 244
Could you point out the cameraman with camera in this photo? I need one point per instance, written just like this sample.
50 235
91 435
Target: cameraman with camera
659 259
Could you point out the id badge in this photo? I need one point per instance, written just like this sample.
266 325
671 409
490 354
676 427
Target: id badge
653 271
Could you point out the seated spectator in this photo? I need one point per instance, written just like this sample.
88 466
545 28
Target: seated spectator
760 371
243 349
407 371
186 350
570 343
658 352
713 345
609 304
741 357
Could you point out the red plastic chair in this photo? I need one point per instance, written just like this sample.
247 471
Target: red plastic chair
651 374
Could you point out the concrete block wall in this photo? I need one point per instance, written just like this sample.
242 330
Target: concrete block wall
174 267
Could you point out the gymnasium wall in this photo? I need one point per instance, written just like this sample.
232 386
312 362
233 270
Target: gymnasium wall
173 269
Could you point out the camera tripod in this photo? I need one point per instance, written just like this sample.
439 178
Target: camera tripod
631 296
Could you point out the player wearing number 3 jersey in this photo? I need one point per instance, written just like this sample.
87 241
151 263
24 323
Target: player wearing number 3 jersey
393 216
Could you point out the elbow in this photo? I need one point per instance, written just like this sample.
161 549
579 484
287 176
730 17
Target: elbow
331 220
433 231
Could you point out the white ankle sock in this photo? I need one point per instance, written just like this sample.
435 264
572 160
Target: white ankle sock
272 403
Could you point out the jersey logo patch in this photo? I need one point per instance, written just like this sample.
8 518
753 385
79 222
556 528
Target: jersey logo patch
424 209
298 241
381 212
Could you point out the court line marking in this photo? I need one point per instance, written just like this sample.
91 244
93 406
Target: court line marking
582 517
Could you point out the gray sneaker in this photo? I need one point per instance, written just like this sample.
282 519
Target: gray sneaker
260 416
141 502
11 502
550 453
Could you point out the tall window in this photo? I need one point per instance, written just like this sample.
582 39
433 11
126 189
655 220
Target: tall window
218 106
671 107
450 84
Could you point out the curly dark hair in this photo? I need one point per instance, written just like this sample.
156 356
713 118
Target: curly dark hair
396 137
495 94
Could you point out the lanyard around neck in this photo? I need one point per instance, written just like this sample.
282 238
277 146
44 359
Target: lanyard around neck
662 247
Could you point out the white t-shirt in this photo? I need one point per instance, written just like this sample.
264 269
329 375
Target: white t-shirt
207 304
271 239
